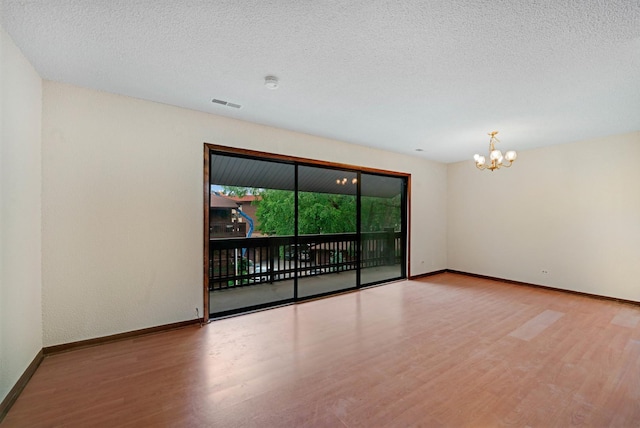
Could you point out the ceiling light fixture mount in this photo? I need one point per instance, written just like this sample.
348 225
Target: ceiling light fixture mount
271 82
495 156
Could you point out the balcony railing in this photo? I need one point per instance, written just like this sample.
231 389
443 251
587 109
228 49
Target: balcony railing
238 262
225 229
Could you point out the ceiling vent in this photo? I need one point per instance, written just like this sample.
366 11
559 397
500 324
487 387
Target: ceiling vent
225 103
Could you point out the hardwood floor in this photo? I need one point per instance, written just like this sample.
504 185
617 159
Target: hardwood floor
447 350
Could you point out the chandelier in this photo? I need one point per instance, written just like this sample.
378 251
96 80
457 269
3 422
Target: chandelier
495 156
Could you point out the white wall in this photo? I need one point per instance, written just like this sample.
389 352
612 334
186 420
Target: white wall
572 210
20 230
122 207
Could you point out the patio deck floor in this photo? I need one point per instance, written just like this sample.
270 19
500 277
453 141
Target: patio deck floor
236 298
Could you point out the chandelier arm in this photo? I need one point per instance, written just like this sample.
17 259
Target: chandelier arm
481 167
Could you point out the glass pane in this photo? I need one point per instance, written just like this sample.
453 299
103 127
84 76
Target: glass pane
251 206
327 230
383 243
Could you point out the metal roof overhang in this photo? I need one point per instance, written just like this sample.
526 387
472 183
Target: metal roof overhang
230 170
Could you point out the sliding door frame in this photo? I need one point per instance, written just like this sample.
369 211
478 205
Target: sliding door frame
296 161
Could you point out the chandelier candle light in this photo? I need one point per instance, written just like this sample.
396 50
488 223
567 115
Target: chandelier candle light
495 155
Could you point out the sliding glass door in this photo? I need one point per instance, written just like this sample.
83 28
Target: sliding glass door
281 230
382 228
251 204
327 225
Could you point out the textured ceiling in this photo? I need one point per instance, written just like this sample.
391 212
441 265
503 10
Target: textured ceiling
397 75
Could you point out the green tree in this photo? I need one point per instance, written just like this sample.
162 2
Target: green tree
275 212
381 213
317 212
237 191
326 213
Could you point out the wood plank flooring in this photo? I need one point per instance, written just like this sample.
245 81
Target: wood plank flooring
448 350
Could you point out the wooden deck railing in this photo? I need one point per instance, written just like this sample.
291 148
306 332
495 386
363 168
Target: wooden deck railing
237 262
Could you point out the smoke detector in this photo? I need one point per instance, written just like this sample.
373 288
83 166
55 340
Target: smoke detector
271 82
